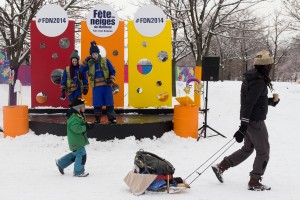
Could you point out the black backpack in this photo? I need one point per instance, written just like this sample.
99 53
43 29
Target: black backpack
153 164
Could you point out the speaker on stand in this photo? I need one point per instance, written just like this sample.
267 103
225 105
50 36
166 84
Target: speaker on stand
210 72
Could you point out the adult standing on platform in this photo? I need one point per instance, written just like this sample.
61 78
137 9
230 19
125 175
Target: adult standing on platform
73 82
102 78
253 112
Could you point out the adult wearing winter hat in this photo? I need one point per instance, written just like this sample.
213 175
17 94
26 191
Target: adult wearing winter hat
102 78
253 112
77 139
73 82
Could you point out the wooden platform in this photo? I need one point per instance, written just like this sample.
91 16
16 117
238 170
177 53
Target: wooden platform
140 123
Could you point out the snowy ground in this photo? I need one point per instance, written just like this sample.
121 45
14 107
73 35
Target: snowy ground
28 171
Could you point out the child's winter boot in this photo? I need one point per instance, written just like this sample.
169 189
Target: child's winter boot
83 174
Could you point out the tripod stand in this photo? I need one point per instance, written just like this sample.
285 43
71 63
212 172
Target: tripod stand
203 128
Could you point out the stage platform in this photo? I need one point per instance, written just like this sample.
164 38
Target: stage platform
140 123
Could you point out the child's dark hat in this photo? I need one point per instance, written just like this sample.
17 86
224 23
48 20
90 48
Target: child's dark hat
77 102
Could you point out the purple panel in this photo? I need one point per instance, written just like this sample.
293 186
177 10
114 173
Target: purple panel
24 75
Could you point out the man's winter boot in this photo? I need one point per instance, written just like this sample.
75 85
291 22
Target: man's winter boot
219 169
97 119
255 185
112 119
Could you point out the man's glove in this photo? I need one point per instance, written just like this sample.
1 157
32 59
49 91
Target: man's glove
272 103
115 88
85 91
240 134
89 126
63 95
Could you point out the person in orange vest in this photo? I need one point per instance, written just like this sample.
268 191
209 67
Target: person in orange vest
74 82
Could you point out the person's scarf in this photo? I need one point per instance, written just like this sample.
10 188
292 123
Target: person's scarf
265 72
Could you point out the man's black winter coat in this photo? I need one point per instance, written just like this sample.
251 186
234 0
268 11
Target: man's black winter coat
254 96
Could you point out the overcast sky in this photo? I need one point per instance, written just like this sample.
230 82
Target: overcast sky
265 8
128 8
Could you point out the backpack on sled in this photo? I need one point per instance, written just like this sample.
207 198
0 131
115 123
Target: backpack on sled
153 164
152 173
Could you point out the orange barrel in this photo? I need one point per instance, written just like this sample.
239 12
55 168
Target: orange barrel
15 120
186 121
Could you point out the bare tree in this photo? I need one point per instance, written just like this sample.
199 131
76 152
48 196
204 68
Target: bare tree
236 40
275 41
205 17
249 42
293 9
289 67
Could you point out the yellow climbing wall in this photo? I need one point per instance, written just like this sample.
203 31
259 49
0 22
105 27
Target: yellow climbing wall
149 71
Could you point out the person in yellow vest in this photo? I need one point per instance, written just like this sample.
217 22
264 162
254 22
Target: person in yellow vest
102 77
74 82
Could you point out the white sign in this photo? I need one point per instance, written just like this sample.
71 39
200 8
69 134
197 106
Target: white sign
149 20
102 21
52 20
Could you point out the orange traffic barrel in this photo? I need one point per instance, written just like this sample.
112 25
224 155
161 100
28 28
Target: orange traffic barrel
186 121
15 120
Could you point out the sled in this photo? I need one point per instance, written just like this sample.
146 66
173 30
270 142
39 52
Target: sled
139 183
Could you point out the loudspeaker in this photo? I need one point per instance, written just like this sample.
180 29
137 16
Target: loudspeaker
210 68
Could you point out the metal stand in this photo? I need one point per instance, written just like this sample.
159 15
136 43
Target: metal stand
202 129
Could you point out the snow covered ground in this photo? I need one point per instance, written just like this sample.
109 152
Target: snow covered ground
28 171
